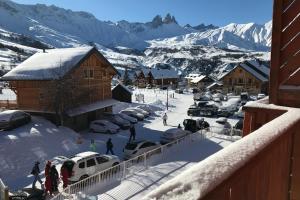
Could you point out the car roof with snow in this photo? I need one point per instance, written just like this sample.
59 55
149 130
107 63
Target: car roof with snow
86 154
7 114
52 64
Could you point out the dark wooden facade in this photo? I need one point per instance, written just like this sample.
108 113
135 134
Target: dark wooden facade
122 94
285 57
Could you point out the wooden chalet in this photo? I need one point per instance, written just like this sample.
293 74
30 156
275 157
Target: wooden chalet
163 77
121 93
249 76
141 78
72 83
201 82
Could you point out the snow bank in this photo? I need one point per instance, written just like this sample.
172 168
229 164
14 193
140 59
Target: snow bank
196 182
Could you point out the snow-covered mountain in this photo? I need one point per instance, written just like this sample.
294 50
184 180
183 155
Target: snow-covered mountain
249 36
62 28
65 28
157 28
24 29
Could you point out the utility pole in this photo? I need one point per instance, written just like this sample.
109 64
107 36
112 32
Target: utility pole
167 98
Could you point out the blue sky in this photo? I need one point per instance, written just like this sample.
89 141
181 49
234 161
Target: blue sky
194 12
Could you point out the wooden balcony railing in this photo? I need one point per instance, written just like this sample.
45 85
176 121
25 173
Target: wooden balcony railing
264 165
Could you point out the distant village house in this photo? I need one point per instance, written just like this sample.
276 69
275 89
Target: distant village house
249 76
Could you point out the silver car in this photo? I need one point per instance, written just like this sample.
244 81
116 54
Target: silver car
11 119
133 113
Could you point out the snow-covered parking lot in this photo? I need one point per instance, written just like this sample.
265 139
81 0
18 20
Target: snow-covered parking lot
41 140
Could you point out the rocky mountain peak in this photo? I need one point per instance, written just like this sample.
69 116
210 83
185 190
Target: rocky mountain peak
169 19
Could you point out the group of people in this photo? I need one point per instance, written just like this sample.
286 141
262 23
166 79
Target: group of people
109 146
51 177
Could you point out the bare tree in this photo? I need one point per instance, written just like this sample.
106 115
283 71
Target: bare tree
63 92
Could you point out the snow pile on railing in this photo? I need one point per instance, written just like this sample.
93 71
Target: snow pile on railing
202 178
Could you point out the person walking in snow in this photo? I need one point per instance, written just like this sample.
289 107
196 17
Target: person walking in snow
165 118
109 147
54 178
132 132
48 182
36 174
64 176
93 145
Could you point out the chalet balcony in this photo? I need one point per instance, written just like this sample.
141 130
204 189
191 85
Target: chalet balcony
263 165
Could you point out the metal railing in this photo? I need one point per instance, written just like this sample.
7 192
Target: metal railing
4 193
127 168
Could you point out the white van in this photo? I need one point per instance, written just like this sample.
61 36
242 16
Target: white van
88 163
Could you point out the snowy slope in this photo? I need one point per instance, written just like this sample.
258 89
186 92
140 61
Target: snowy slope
62 28
250 36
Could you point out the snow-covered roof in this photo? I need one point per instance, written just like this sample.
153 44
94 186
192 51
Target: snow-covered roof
198 79
7 114
213 84
163 73
48 65
91 107
258 70
255 68
123 86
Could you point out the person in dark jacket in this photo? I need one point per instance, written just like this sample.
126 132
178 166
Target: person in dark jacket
109 147
54 178
203 124
132 132
36 174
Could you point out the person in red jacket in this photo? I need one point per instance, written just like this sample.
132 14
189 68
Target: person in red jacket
64 176
48 185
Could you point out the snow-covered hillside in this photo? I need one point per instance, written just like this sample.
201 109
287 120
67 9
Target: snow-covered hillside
249 36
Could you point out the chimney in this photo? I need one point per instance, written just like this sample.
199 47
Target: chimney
44 50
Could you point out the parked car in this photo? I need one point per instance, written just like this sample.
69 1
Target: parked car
239 113
179 91
123 123
261 96
221 126
11 119
133 113
136 148
132 120
145 113
244 98
225 112
190 125
27 194
208 110
103 126
145 108
173 134
88 163
149 86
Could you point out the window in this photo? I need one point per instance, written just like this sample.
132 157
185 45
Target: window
101 160
249 80
240 80
81 165
88 73
90 162
230 80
